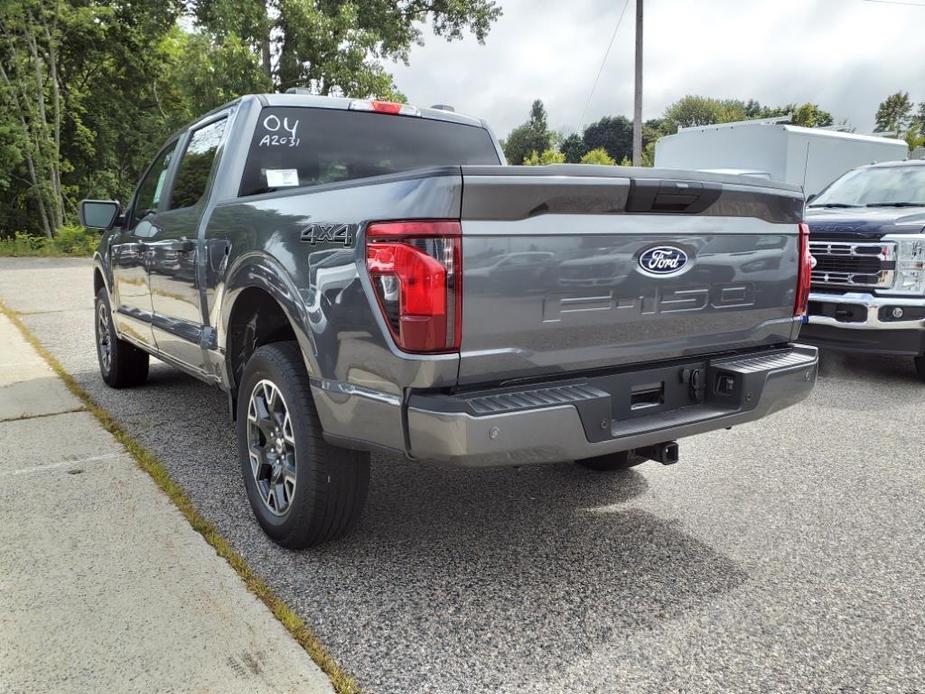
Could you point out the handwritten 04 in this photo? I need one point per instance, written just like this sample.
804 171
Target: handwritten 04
280 132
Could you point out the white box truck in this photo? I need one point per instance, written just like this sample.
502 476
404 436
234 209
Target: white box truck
807 157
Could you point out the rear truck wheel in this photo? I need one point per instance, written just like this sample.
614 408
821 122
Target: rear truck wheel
303 490
920 367
614 461
122 364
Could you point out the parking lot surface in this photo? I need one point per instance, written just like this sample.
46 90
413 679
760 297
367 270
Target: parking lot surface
788 554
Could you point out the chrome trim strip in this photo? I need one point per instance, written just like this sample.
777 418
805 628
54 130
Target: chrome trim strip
873 304
886 253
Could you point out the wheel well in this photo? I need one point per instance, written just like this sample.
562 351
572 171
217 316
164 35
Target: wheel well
98 282
256 320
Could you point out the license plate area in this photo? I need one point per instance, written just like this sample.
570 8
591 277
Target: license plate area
653 391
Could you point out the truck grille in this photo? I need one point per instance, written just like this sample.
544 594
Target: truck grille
841 264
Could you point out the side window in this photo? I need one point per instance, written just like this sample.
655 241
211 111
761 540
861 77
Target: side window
196 164
149 192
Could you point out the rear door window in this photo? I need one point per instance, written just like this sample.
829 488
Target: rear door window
299 146
193 175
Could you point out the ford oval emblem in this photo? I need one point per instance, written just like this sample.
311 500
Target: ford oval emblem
663 260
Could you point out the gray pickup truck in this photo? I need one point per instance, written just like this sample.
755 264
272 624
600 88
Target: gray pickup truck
364 275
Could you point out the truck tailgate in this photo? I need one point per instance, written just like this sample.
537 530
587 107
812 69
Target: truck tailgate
570 268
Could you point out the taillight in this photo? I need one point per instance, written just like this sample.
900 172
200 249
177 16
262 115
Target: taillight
801 304
416 271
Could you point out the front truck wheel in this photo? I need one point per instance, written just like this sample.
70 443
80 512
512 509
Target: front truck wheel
122 364
303 490
612 462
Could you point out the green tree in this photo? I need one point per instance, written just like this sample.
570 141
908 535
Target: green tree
894 114
810 116
612 133
598 156
78 103
202 73
700 110
532 136
573 148
34 105
914 137
90 88
652 130
918 119
337 47
549 156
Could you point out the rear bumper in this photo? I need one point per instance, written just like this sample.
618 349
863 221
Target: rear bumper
561 421
863 322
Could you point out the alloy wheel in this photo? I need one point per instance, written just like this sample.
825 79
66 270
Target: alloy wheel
271 447
103 336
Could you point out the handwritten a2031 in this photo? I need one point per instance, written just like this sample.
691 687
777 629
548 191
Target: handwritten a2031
279 133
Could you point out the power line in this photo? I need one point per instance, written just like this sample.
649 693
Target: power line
581 120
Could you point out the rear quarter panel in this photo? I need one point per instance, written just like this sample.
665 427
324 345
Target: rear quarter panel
258 242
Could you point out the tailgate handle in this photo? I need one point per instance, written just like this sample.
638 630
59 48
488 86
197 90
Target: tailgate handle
648 395
683 197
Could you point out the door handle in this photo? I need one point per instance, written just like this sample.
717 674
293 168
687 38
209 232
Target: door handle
182 245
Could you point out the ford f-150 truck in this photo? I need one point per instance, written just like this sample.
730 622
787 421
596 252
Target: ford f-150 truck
365 275
867 235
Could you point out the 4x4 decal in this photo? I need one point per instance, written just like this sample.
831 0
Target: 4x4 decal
329 233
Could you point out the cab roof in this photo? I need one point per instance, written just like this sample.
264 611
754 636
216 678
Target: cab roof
895 164
343 104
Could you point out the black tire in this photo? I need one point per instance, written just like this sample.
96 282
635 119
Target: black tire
611 462
122 364
920 367
328 486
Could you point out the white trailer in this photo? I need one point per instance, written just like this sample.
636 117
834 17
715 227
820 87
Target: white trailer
808 157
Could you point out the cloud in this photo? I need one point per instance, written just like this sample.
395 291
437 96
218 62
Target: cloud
845 55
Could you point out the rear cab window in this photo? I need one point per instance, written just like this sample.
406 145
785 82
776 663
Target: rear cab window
304 146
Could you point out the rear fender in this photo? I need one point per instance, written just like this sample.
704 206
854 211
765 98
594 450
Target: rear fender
260 271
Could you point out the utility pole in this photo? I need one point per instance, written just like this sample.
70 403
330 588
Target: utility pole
637 103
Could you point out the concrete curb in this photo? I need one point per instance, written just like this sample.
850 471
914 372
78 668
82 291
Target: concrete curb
342 682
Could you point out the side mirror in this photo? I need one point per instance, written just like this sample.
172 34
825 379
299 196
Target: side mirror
99 214
810 198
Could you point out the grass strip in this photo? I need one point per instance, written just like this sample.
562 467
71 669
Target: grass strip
147 461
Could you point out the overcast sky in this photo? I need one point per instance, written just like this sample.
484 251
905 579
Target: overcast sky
845 55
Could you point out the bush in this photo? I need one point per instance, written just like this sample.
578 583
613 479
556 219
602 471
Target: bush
549 156
598 156
71 240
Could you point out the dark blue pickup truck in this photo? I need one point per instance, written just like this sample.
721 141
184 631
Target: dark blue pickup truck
867 236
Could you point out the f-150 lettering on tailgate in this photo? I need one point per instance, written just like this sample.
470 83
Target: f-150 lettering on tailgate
658 301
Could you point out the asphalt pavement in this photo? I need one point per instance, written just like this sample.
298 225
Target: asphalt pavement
783 555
